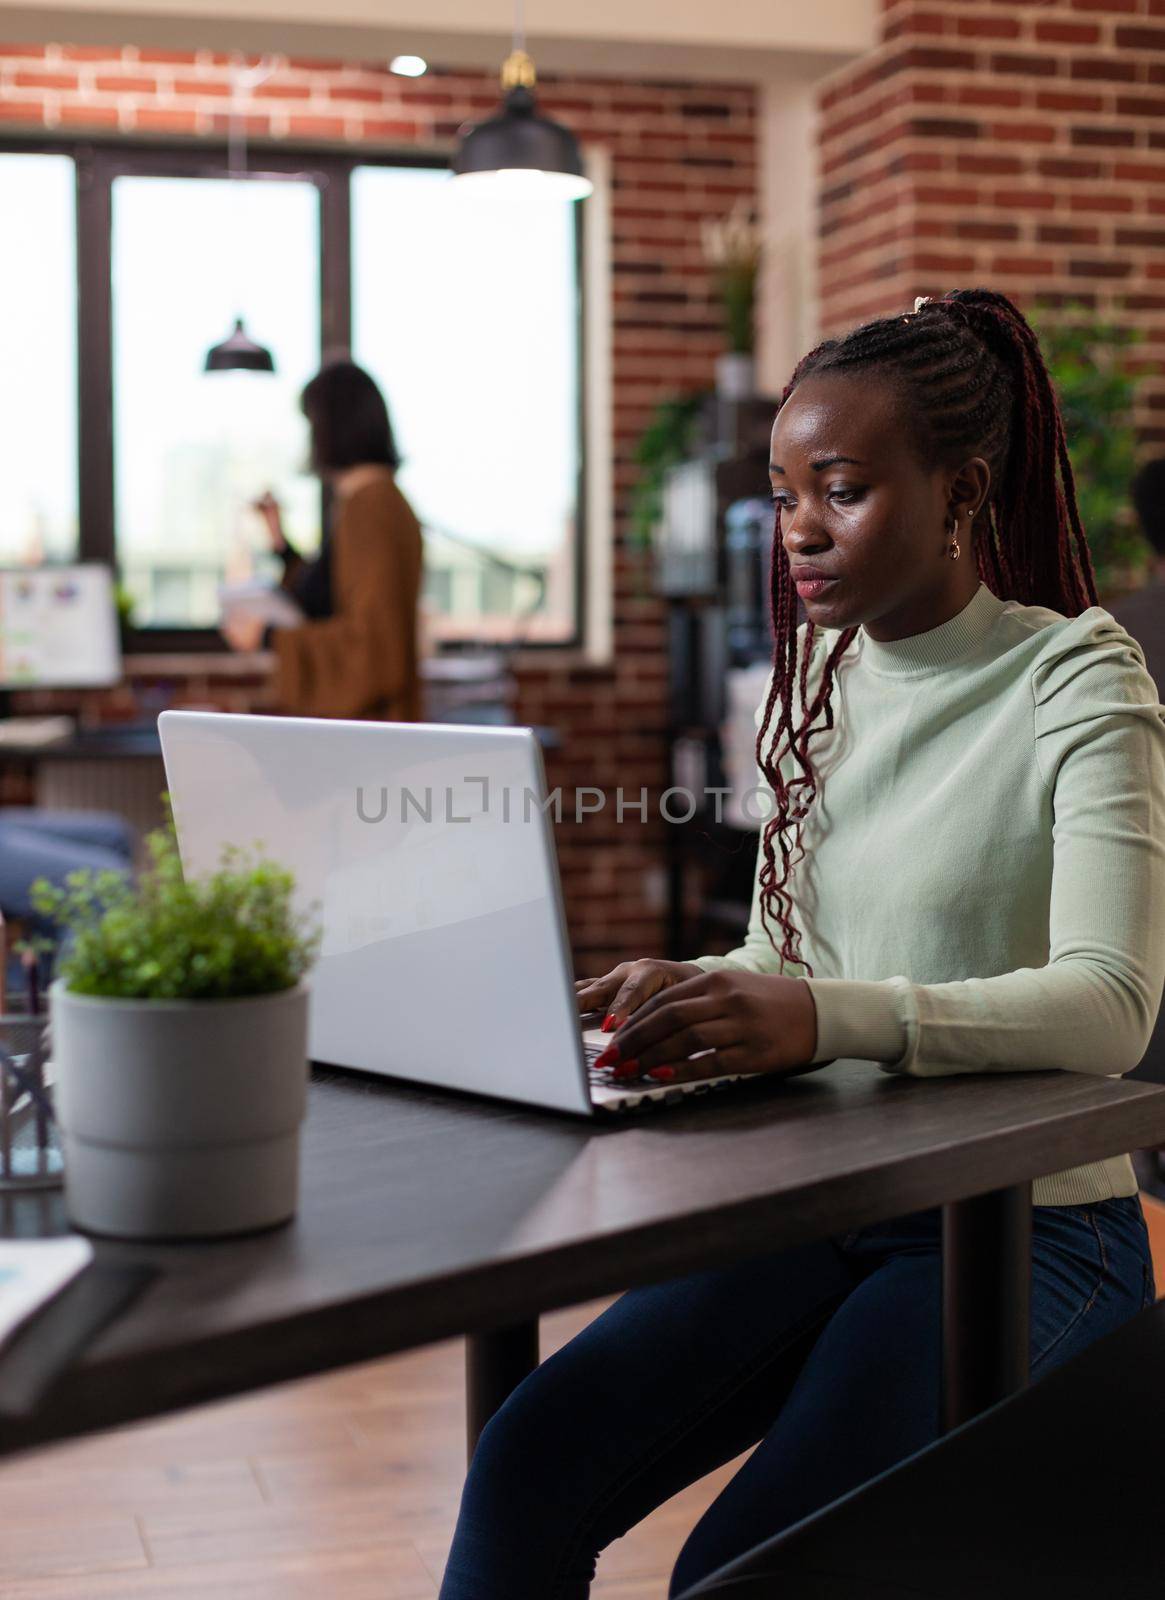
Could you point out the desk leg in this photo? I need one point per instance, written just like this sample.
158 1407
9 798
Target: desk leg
495 1364
987 1258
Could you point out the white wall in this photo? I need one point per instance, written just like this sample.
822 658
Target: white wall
789 316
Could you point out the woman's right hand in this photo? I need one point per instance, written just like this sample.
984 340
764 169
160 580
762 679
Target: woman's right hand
268 508
626 987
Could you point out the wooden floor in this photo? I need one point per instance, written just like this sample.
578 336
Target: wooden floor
339 1488
1155 1218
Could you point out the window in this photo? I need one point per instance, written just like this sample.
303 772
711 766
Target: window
131 263
194 449
464 308
38 359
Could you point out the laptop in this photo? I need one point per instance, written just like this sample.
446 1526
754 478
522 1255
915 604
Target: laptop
58 627
427 853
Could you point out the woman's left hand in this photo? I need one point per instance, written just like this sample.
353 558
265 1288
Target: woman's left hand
747 1022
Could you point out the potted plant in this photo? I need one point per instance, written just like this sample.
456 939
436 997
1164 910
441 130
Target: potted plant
125 605
179 1040
670 437
732 248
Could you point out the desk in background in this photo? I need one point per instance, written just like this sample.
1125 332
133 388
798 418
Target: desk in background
94 769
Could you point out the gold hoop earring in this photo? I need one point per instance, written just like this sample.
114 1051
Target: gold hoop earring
953 551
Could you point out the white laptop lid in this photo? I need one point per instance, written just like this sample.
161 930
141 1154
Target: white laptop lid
426 849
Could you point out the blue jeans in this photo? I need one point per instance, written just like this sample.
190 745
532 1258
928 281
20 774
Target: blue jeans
826 1358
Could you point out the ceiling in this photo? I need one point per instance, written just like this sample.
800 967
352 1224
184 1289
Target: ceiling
745 39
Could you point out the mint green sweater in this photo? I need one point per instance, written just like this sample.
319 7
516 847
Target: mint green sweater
983 881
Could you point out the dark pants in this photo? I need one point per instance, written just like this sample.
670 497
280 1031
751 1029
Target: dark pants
826 1358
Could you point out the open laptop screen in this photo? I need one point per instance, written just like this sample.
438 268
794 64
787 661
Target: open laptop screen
58 628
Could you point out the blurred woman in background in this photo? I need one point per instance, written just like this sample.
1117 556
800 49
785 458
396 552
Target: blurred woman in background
355 653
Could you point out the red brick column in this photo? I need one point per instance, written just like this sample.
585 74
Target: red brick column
1020 147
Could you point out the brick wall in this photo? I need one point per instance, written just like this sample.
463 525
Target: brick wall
680 153
1016 146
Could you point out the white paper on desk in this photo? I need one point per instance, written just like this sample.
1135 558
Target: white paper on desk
22 731
33 1271
273 607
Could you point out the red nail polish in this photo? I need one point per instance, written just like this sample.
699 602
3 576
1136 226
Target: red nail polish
608 1058
610 1023
663 1074
627 1069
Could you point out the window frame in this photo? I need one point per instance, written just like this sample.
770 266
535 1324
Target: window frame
97 162
47 146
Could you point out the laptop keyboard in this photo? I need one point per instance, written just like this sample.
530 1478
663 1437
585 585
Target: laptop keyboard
633 1094
604 1077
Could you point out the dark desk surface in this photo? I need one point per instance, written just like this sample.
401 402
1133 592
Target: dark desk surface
425 1215
135 743
91 744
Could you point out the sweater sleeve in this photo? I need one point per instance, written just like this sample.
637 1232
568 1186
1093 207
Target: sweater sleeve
1100 748
346 664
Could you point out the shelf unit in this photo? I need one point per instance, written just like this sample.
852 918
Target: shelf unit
712 561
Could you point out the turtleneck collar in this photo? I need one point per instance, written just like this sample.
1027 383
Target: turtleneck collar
920 654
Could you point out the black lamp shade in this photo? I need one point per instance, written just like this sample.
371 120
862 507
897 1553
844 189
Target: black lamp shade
520 140
239 354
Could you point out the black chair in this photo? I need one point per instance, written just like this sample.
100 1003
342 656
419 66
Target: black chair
1151 1066
1057 1494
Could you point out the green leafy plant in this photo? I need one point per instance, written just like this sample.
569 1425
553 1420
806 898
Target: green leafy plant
1087 358
222 936
669 438
125 605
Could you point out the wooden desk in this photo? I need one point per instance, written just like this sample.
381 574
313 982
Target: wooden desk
137 742
426 1215
115 769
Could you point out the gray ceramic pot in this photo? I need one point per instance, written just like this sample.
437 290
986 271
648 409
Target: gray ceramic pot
180 1118
735 376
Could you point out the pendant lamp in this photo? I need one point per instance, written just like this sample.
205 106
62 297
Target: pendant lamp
237 352
519 147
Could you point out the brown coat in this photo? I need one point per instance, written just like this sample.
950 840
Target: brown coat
361 661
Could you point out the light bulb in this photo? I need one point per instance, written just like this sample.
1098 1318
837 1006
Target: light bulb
529 181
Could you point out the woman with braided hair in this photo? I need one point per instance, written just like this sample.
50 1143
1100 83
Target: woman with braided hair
963 871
